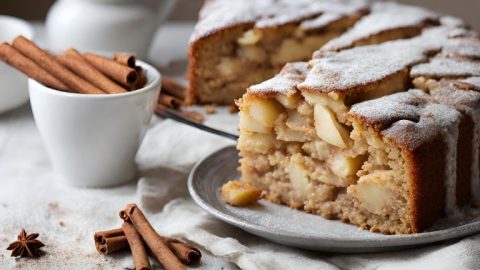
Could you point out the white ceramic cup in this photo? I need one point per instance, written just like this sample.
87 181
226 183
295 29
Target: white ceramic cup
92 139
13 84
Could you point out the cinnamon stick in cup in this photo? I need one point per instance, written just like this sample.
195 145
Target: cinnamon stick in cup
49 64
137 247
17 60
123 75
110 241
159 249
142 79
125 59
91 74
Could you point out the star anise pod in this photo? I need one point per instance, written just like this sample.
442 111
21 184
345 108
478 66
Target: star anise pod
26 245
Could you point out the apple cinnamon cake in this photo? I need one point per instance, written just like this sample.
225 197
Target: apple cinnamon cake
237 43
380 129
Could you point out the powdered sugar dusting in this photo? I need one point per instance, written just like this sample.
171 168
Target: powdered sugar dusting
222 14
475 178
357 67
460 99
449 131
322 21
381 113
409 118
217 15
463 47
284 12
472 83
467 102
452 21
385 16
335 12
285 82
446 67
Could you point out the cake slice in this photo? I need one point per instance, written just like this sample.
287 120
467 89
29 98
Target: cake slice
375 170
346 136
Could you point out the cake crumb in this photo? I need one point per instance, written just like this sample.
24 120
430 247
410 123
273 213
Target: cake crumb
210 109
240 193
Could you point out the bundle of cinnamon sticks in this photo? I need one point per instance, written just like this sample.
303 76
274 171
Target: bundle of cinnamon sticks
72 71
136 233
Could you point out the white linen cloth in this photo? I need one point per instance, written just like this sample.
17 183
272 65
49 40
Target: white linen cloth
32 198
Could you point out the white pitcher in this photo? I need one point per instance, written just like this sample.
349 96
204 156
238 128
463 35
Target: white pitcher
106 25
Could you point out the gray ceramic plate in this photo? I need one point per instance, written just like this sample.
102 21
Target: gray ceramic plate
295 228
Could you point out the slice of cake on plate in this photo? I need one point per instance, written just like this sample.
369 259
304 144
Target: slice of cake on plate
376 131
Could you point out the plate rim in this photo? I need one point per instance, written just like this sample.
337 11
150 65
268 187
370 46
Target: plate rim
396 240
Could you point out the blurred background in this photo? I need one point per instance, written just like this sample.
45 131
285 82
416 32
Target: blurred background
188 9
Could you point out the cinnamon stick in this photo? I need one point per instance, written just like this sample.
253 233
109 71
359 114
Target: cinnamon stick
125 59
52 66
169 101
187 254
110 241
17 60
142 78
114 240
123 75
90 73
159 249
137 247
173 88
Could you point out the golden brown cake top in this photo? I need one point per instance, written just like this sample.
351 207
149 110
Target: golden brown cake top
218 15
408 118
